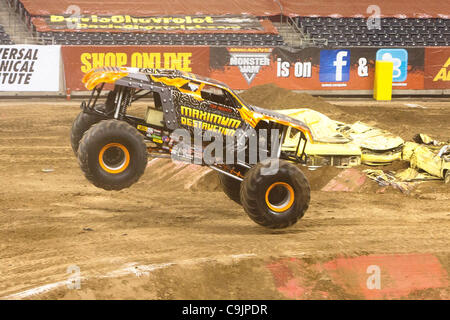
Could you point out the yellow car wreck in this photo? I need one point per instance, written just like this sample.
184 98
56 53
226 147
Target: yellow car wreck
343 145
432 159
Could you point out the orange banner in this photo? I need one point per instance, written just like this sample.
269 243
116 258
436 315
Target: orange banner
437 68
80 59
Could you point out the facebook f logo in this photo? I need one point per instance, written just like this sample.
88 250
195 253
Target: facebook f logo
340 63
334 65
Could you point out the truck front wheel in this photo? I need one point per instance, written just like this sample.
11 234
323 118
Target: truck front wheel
275 198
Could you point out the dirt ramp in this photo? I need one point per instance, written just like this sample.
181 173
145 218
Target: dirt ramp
269 96
173 175
207 182
317 179
168 174
202 179
320 177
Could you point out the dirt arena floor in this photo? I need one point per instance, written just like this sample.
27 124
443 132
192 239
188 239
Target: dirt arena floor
175 235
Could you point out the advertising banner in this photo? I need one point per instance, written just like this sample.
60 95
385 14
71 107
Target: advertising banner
437 68
80 59
29 68
315 68
242 68
164 23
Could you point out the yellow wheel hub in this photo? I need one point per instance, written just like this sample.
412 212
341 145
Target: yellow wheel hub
114 158
284 195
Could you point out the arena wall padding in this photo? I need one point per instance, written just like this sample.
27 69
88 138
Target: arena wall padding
311 69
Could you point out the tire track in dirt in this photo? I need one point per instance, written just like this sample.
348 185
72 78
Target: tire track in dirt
49 221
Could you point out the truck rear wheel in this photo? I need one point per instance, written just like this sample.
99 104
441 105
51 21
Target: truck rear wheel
81 124
275 200
112 155
231 187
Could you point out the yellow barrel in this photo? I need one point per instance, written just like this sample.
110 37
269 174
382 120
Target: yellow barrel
382 89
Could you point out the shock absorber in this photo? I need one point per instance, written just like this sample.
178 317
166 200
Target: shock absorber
118 102
126 102
122 102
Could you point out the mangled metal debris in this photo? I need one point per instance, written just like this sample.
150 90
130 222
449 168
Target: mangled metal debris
348 145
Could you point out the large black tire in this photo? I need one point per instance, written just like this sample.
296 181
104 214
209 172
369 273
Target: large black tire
276 200
112 155
80 125
231 187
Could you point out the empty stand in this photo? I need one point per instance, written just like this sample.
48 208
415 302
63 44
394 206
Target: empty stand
353 32
338 32
4 37
122 38
311 31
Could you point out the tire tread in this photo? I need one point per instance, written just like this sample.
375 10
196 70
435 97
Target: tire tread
249 196
91 134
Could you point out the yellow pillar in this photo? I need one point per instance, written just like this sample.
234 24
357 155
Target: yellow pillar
382 89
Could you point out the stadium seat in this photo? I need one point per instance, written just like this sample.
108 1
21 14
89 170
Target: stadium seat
393 32
4 37
118 38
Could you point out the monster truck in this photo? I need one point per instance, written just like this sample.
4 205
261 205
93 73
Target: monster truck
113 146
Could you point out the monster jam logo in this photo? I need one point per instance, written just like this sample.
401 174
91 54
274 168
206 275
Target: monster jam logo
249 60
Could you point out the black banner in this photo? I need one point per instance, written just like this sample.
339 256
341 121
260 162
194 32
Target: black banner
155 23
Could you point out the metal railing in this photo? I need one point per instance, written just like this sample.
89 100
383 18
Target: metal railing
294 36
305 39
17 28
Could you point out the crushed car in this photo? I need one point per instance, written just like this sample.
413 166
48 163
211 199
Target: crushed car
343 145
